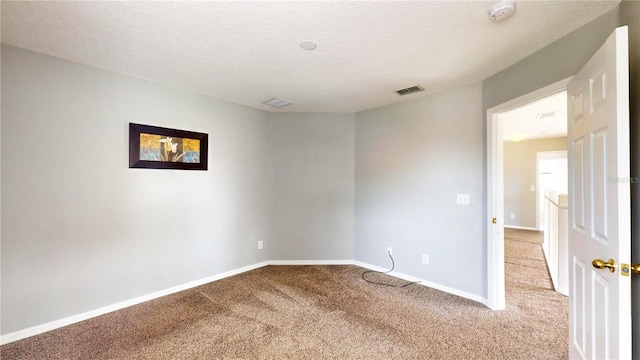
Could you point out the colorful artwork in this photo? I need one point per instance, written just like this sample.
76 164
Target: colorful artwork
164 148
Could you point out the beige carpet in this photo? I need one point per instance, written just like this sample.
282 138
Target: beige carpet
324 312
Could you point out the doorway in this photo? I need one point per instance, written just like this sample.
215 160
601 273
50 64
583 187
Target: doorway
535 176
495 189
599 220
536 128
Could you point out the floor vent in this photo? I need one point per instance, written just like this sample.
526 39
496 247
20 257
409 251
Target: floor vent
410 90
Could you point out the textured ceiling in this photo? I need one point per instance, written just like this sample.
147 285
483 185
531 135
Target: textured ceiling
248 52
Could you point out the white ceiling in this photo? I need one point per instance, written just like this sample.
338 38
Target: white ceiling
529 121
248 52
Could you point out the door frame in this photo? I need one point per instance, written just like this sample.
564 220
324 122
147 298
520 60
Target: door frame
495 191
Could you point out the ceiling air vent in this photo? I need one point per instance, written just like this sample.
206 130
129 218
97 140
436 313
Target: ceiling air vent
410 90
276 103
542 116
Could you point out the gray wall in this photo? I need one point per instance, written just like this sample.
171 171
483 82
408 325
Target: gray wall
412 158
112 230
312 165
520 162
563 59
553 63
80 230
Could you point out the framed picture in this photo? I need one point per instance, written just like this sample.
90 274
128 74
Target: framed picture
154 147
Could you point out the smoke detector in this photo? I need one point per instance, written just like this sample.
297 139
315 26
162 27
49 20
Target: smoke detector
502 10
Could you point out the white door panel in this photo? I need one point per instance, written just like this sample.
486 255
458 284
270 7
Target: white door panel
599 204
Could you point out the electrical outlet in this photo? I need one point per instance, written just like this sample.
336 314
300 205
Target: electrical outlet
425 259
513 216
390 250
259 245
462 199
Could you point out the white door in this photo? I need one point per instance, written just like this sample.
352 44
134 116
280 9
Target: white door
599 204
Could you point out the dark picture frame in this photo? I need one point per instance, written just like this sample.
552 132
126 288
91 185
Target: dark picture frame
154 147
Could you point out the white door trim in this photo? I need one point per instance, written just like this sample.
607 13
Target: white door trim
495 191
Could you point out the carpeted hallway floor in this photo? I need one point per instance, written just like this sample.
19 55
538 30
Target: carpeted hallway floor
325 312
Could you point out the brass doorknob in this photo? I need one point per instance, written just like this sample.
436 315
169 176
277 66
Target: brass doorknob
601 264
635 268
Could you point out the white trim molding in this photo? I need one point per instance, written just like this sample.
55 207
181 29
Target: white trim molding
495 191
521 227
310 262
426 283
39 329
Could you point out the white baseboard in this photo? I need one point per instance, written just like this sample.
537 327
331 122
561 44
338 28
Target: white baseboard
521 227
39 329
426 283
402 276
310 262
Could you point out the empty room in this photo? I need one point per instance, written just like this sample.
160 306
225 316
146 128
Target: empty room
315 180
